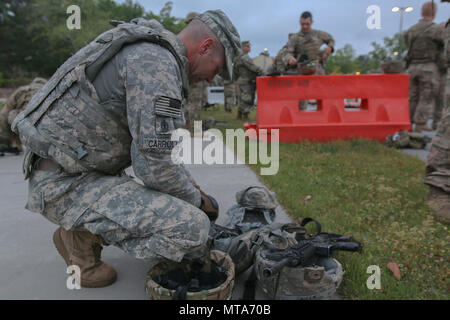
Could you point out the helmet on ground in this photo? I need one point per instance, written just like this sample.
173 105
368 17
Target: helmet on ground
158 288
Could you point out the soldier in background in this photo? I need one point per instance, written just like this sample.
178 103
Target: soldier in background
424 40
441 102
278 65
246 71
197 97
229 89
303 49
15 104
437 175
264 61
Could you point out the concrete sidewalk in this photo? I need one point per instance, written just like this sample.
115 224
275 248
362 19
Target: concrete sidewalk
31 268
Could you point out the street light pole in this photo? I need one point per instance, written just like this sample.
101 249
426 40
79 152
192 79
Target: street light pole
402 9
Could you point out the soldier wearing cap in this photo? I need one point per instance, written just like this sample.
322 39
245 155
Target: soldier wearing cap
197 94
246 73
437 175
303 49
114 104
424 40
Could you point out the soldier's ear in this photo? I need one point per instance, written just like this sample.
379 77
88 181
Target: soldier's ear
207 46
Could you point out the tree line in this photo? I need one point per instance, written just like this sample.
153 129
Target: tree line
35 40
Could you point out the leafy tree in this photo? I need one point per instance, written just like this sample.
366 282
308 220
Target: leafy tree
172 24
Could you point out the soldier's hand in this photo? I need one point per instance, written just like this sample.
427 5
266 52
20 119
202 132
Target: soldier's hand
326 53
208 205
292 62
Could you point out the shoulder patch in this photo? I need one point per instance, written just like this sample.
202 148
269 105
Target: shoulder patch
168 107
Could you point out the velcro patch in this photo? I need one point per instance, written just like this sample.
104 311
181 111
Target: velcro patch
168 107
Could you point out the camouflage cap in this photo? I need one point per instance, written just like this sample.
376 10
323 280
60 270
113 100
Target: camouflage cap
245 43
191 16
256 198
228 35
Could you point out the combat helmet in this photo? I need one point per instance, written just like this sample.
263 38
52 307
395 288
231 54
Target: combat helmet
255 208
291 264
167 281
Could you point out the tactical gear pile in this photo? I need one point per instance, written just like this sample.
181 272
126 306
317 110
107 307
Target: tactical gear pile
288 263
404 139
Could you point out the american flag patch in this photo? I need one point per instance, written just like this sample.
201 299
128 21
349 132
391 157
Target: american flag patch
169 107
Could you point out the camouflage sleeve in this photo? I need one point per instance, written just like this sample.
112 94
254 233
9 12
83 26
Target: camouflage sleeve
153 94
327 38
248 63
290 50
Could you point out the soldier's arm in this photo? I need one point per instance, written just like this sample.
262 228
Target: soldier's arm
290 51
250 65
153 87
327 39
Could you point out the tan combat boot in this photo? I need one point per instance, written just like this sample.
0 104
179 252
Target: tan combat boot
239 115
439 201
245 116
83 249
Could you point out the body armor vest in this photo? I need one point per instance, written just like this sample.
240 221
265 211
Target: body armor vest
422 48
82 134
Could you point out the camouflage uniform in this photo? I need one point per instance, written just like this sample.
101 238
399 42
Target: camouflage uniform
194 103
424 40
229 89
13 106
112 104
438 161
441 103
246 82
307 45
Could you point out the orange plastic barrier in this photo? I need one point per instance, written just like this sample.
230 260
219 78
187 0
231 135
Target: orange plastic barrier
383 110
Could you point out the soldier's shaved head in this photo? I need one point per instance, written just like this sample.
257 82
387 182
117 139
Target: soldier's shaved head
429 10
196 31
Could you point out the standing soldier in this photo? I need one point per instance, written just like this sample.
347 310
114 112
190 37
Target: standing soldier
246 71
15 104
441 102
423 40
197 95
229 95
303 49
438 163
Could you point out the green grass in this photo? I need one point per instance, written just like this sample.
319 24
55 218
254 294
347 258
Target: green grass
374 193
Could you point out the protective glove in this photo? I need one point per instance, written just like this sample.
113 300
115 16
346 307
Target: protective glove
208 205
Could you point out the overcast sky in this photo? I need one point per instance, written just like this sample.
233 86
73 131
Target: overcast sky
267 23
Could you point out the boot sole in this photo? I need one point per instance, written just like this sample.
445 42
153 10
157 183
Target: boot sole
59 244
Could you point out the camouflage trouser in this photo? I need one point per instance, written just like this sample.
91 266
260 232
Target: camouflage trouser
229 96
246 98
438 162
5 131
194 104
143 222
423 88
441 101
